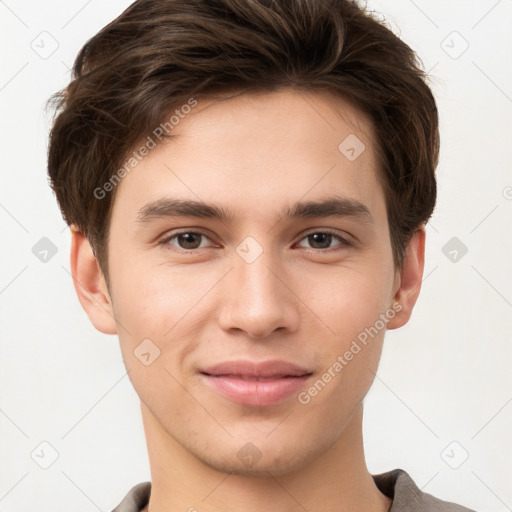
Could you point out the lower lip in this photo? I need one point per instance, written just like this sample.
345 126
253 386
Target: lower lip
256 393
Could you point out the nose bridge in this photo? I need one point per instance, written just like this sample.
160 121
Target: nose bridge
257 279
256 299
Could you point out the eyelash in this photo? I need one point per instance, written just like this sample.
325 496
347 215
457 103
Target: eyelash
343 242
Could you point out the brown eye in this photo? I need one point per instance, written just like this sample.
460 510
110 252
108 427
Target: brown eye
323 240
320 240
187 240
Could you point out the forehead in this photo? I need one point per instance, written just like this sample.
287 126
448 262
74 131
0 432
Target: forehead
258 149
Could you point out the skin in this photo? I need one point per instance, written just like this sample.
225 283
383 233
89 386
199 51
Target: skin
298 301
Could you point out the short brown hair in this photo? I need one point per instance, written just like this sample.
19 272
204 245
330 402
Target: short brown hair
159 53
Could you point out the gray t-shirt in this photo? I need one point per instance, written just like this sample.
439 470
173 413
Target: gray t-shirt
396 484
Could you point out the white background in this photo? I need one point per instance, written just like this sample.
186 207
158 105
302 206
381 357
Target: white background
444 378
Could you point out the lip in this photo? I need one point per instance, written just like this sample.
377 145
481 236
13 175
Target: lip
256 384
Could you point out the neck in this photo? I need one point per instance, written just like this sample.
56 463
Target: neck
337 480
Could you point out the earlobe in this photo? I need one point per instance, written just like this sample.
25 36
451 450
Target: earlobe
90 284
409 280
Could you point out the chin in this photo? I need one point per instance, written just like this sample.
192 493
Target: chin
250 461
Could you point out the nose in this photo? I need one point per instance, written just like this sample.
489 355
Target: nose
257 299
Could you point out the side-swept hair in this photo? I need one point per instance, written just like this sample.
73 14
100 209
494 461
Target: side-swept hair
158 54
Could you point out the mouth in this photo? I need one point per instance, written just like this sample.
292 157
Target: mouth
250 378
256 384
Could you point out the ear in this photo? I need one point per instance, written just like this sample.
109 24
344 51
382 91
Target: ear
408 280
90 284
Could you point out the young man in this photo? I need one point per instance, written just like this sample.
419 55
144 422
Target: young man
247 183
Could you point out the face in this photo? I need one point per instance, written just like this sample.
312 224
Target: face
251 278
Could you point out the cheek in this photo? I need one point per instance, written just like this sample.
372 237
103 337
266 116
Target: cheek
169 307
351 305
349 358
154 300
346 301
155 335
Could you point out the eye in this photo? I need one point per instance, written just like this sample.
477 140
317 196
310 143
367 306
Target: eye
323 239
188 240
191 240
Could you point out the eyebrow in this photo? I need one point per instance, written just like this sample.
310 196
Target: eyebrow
333 206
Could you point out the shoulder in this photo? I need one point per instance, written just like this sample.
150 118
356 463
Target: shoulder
396 484
407 497
136 499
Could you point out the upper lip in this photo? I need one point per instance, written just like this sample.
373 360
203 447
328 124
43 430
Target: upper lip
260 369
